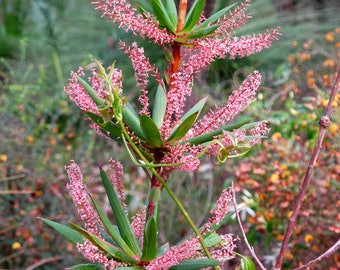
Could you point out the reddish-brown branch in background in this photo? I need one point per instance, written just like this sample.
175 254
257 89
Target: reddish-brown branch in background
253 254
324 255
323 125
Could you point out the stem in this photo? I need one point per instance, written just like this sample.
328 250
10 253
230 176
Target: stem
323 125
182 12
251 249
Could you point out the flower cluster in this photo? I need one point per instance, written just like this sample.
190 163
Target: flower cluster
164 138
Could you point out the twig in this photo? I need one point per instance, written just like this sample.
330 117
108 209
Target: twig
44 261
7 192
324 123
326 254
251 249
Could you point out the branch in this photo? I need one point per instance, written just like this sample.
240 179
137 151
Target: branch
326 254
251 249
323 125
44 261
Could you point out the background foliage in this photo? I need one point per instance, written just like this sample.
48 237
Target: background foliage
41 41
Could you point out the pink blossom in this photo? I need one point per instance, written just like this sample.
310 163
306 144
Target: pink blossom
78 94
175 255
237 102
225 249
78 192
122 14
261 129
93 254
137 225
220 210
116 178
142 68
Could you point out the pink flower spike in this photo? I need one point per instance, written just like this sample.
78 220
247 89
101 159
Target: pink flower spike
116 178
78 94
261 129
220 210
122 14
137 225
175 255
237 102
78 192
142 68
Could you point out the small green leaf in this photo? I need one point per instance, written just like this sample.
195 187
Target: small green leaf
193 15
70 234
104 246
159 107
247 263
120 216
212 240
113 129
151 132
99 101
131 118
170 7
203 32
183 128
213 18
89 266
112 230
210 136
196 108
195 264
150 240
162 15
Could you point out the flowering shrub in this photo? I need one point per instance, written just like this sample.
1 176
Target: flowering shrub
160 136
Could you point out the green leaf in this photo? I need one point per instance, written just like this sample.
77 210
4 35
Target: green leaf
112 230
196 108
99 101
247 263
120 216
150 240
162 15
70 234
104 246
170 7
203 32
131 118
183 128
213 18
113 129
210 136
195 264
151 132
193 15
212 240
89 266
159 107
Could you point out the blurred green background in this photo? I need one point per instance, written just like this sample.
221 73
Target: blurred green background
41 41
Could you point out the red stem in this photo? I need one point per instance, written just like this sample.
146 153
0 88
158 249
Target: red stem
323 125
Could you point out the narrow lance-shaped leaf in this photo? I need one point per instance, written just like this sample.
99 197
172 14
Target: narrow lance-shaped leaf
159 107
111 230
183 128
210 136
131 118
170 6
203 32
247 263
120 216
213 17
195 264
196 108
99 101
151 132
70 234
89 266
113 129
104 246
193 15
150 240
162 15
